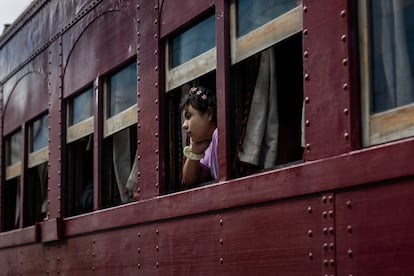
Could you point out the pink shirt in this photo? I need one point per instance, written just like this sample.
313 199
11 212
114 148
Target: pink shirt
210 156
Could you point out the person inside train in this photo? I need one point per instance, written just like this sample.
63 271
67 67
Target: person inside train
200 123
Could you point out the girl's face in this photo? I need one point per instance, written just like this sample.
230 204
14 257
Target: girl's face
199 127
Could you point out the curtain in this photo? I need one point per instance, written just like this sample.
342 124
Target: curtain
259 146
393 75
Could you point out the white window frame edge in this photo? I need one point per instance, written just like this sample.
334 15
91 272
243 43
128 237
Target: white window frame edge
264 36
385 126
38 157
189 70
13 170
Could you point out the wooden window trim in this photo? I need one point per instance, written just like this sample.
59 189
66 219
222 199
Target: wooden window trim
38 157
264 36
192 69
120 121
80 130
14 170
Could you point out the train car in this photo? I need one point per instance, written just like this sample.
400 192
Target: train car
315 126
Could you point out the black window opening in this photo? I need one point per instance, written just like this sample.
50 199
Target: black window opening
267 133
177 138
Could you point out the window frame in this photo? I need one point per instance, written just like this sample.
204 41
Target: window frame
191 69
265 36
385 126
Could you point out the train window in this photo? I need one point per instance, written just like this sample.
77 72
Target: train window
35 191
191 53
11 187
259 24
79 139
120 136
177 136
267 88
387 74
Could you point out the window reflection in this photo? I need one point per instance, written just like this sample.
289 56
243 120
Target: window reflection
14 144
252 14
123 89
393 54
193 41
39 134
82 107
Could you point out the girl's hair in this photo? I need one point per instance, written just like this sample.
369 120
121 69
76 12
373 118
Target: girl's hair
201 99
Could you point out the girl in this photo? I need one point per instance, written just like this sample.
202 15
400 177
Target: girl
199 110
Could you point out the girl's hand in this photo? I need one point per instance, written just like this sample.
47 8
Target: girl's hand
199 147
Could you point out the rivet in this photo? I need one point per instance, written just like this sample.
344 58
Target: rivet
330 198
310 233
349 228
343 38
305 31
345 62
350 253
156 101
307 100
308 147
331 213
310 255
139 266
345 86
221 221
323 199
325 262
139 157
306 76
156 68
305 9
93 268
157 248
221 260
310 210
156 134
156 151
156 85
332 262
139 142
343 13
157 231
155 21
325 246
221 241
325 230
332 246
346 111
157 264
331 230
139 234
346 135
325 214
307 123
306 54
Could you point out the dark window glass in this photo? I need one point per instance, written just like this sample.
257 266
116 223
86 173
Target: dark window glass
40 134
193 42
123 89
392 53
14 148
252 14
11 204
35 199
81 107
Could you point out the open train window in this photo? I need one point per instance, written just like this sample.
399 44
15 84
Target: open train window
35 190
267 88
387 69
120 137
191 53
190 61
79 139
11 187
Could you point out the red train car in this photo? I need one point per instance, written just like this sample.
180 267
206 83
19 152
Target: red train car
315 138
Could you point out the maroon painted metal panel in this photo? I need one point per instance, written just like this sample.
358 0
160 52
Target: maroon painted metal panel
148 100
19 237
176 14
375 229
329 85
97 44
